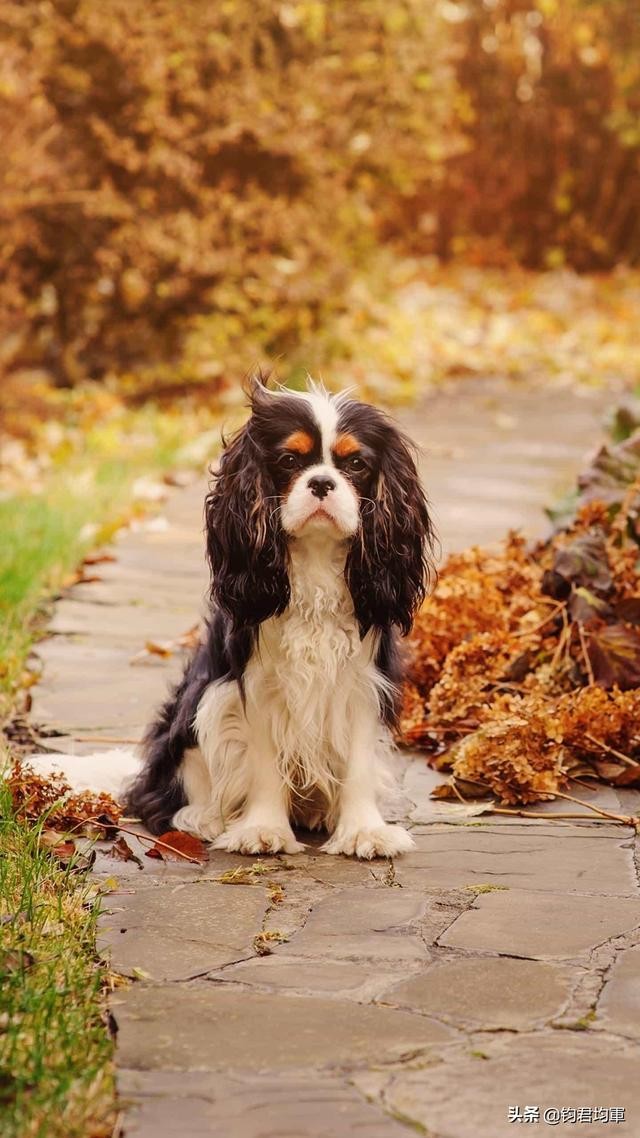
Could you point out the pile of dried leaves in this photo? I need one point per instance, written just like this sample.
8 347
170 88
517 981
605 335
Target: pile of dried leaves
70 818
526 661
35 796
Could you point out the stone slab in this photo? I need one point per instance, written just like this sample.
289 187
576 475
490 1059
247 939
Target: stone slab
521 858
109 709
541 925
337 978
175 931
361 923
488 993
469 1097
330 870
204 1105
207 1027
120 622
619 1004
469 482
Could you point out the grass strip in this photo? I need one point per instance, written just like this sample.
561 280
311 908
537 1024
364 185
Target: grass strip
56 1076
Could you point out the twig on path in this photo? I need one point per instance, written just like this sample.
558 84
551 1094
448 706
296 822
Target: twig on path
144 838
547 817
626 819
562 641
612 751
587 661
103 739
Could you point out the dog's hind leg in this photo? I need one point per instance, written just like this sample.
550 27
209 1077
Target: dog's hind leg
201 815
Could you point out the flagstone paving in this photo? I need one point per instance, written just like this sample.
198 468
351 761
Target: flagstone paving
496 966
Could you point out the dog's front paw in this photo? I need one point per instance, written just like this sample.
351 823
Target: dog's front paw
253 838
369 841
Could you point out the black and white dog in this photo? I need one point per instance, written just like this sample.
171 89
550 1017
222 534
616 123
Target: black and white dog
318 538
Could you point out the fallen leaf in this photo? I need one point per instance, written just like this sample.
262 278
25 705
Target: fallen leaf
585 606
182 847
53 839
519 667
614 654
192 637
584 562
102 826
166 648
162 648
121 850
618 773
628 610
461 809
468 790
263 941
97 558
180 478
15 960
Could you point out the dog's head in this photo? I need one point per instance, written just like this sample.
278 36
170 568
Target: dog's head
314 467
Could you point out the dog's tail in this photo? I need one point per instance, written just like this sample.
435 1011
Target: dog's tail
109 772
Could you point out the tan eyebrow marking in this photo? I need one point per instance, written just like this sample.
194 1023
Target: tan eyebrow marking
300 442
346 445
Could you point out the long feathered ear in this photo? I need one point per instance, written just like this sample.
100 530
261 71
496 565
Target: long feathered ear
390 563
246 546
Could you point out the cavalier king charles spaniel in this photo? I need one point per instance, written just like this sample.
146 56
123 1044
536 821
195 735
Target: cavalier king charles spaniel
319 541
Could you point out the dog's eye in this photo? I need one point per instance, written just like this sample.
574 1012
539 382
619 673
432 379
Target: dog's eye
355 464
288 461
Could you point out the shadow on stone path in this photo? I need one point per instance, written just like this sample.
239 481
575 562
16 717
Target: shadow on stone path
497 965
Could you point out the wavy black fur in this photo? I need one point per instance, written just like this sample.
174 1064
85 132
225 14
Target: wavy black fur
389 566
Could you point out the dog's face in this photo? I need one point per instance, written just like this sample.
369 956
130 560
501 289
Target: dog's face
308 463
322 461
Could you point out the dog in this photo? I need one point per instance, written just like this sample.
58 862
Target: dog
319 541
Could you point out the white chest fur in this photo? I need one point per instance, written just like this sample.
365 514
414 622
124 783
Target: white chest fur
312 668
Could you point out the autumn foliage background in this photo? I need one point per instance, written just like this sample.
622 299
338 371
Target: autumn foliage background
189 188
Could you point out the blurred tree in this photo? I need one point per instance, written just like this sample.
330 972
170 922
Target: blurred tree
189 187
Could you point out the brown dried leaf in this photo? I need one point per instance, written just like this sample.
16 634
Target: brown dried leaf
628 610
583 561
164 648
614 653
97 558
586 607
121 850
181 847
191 638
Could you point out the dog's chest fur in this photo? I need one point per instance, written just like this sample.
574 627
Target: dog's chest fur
311 662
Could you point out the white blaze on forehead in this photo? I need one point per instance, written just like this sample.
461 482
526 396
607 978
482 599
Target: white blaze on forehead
325 413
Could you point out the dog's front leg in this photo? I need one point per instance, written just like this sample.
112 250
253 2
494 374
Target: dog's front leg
361 829
263 826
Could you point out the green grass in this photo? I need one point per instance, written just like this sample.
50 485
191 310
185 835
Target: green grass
44 534
56 1078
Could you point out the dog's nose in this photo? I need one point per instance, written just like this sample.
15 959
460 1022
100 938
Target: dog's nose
320 487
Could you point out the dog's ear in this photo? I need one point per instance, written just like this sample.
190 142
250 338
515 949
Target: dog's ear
390 563
246 546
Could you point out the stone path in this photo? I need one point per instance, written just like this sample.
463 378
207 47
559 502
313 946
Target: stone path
497 965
